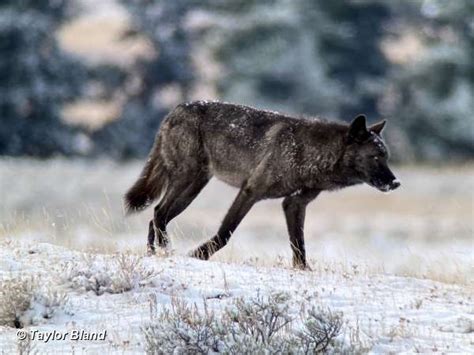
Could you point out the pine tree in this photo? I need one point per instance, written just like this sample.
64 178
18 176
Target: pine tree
36 79
316 57
163 24
296 56
436 92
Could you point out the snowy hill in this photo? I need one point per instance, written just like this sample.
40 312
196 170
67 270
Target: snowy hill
50 288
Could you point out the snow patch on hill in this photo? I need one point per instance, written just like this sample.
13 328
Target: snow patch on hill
122 293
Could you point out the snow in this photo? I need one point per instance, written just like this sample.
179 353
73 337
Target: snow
382 312
399 267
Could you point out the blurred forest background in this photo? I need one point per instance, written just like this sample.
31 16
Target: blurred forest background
94 78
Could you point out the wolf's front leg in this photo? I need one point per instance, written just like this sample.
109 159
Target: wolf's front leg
241 205
295 210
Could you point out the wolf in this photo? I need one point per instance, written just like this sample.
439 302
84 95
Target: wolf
264 154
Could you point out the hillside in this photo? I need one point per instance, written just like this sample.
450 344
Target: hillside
124 293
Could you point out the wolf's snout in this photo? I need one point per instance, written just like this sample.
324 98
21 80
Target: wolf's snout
395 184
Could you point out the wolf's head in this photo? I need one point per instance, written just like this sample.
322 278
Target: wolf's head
366 155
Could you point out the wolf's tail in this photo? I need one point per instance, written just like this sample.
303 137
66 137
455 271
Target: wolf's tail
151 183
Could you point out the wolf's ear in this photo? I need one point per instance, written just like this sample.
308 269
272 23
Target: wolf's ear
358 129
378 127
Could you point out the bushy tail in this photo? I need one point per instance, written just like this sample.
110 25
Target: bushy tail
150 185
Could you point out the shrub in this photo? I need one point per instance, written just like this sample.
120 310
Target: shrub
260 325
23 302
16 296
320 328
184 329
122 274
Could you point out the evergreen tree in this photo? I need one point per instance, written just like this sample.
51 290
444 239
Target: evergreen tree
308 56
36 79
163 24
316 57
435 94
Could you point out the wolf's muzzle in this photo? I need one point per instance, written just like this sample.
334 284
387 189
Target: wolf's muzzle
395 184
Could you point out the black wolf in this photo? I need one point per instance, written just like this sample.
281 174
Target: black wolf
265 154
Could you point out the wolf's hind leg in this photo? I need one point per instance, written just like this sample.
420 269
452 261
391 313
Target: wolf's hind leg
175 201
151 239
241 205
295 211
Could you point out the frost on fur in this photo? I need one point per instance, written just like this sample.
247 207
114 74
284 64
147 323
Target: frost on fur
261 325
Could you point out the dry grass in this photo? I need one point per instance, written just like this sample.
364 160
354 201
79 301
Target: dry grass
423 230
16 297
24 301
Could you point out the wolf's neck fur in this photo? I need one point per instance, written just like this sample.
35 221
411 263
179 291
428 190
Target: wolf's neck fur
325 160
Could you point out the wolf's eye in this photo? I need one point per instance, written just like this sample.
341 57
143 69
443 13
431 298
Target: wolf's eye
376 158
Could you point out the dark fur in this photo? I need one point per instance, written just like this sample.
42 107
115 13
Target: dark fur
264 154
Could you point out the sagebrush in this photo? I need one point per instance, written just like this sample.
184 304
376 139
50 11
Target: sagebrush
24 302
100 275
260 325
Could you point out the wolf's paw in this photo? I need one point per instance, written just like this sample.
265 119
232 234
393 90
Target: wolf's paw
150 250
161 251
199 253
302 267
167 251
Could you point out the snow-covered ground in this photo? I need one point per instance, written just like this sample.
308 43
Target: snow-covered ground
380 312
397 266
